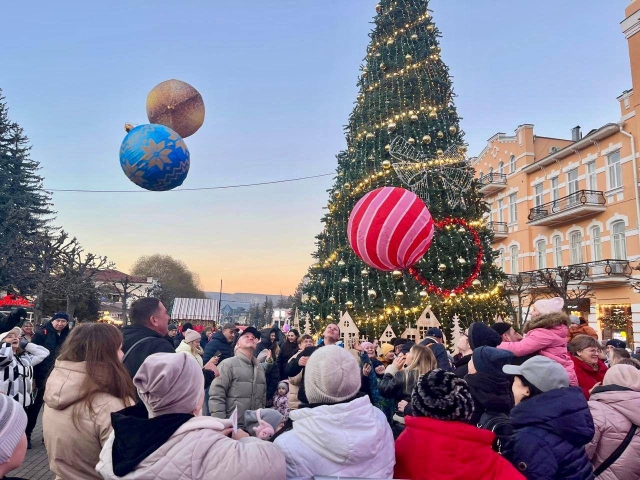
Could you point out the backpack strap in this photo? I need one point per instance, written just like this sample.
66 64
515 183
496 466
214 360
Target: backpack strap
142 340
617 452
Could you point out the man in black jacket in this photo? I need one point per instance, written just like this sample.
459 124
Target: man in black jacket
146 334
14 319
51 337
222 341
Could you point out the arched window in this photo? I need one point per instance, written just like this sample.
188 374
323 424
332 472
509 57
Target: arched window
501 168
596 242
541 253
514 259
557 250
512 164
619 239
575 248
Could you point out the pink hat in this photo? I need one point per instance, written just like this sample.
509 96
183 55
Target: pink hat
623 376
169 383
366 345
190 335
544 307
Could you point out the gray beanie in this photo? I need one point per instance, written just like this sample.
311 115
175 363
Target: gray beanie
262 423
13 422
170 383
332 375
575 319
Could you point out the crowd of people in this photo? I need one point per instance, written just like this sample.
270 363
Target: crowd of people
154 401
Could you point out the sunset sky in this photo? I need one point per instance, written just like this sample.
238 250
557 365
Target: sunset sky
278 78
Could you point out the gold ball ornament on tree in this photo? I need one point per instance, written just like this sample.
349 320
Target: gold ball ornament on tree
336 195
332 299
177 105
330 317
414 36
347 186
314 299
430 28
344 280
390 41
412 140
399 295
453 130
364 272
476 283
372 294
423 294
383 66
462 261
386 164
439 152
442 267
349 304
408 57
426 139
433 114
500 285
392 126
387 148
341 263
440 135
378 8
414 118
396 274
370 136
317 318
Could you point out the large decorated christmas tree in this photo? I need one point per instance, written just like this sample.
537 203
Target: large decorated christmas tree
404 131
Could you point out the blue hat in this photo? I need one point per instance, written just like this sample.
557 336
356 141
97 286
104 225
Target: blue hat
434 332
60 315
490 360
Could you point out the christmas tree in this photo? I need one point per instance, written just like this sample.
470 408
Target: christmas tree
404 131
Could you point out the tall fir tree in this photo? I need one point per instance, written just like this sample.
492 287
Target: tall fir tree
404 131
25 208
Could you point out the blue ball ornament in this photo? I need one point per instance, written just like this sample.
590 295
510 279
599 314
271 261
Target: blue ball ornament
154 157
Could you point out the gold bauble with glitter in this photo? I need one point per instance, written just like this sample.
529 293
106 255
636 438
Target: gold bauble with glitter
391 126
414 117
453 295
336 195
317 318
462 230
177 105
386 164
387 147
424 294
426 139
372 294
430 28
399 294
378 8
433 114
364 272
439 152
383 66
344 280
347 186
330 317
370 136
408 57
440 135
442 267
314 299
453 130
332 299
322 282
462 261
341 263
349 304
390 41
396 274
414 36
476 283
412 140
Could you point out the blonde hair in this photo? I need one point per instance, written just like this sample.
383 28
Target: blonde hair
423 362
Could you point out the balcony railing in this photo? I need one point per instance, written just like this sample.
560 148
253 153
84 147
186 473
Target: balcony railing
492 182
576 205
602 272
499 229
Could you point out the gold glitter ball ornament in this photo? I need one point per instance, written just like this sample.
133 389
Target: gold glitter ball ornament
476 283
396 274
426 139
452 130
386 164
177 105
442 267
372 294
440 135
349 304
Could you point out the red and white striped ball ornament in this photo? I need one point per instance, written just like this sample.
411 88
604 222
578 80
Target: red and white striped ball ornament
390 228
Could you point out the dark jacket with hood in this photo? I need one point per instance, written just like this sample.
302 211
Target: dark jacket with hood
273 376
7 322
439 351
217 343
461 366
491 394
156 343
50 339
551 431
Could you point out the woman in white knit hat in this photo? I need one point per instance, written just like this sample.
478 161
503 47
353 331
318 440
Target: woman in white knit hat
191 345
333 435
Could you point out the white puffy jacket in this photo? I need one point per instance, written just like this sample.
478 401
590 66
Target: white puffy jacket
347 440
16 371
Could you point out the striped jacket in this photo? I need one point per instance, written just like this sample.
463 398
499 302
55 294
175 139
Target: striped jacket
16 371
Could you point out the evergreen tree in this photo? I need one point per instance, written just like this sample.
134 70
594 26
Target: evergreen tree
25 208
404 131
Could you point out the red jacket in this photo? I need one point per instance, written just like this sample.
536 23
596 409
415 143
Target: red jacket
587 376
432 449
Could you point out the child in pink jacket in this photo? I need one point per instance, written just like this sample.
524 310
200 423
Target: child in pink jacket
546 334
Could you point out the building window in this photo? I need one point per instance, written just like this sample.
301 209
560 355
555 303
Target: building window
501 210
513 208
555 189
512 164
572 181
619 240
557 250
541 254
592 182
615 170
575 248
597 243
514 259
501 168
538 195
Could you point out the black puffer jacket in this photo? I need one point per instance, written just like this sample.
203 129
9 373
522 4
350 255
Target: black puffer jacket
490 394
398 386
50 339
218 343
156 344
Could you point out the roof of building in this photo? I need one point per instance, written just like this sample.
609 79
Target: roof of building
194 309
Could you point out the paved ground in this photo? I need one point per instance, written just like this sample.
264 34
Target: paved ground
36 463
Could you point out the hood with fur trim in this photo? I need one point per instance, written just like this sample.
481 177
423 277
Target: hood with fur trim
549 320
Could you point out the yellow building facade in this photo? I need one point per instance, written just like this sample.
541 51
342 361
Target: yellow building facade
573 202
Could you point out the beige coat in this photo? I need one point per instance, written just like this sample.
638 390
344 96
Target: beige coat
185 347
294 386
73 454
198 451
241 383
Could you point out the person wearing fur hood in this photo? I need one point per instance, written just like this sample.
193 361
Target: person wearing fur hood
546 334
